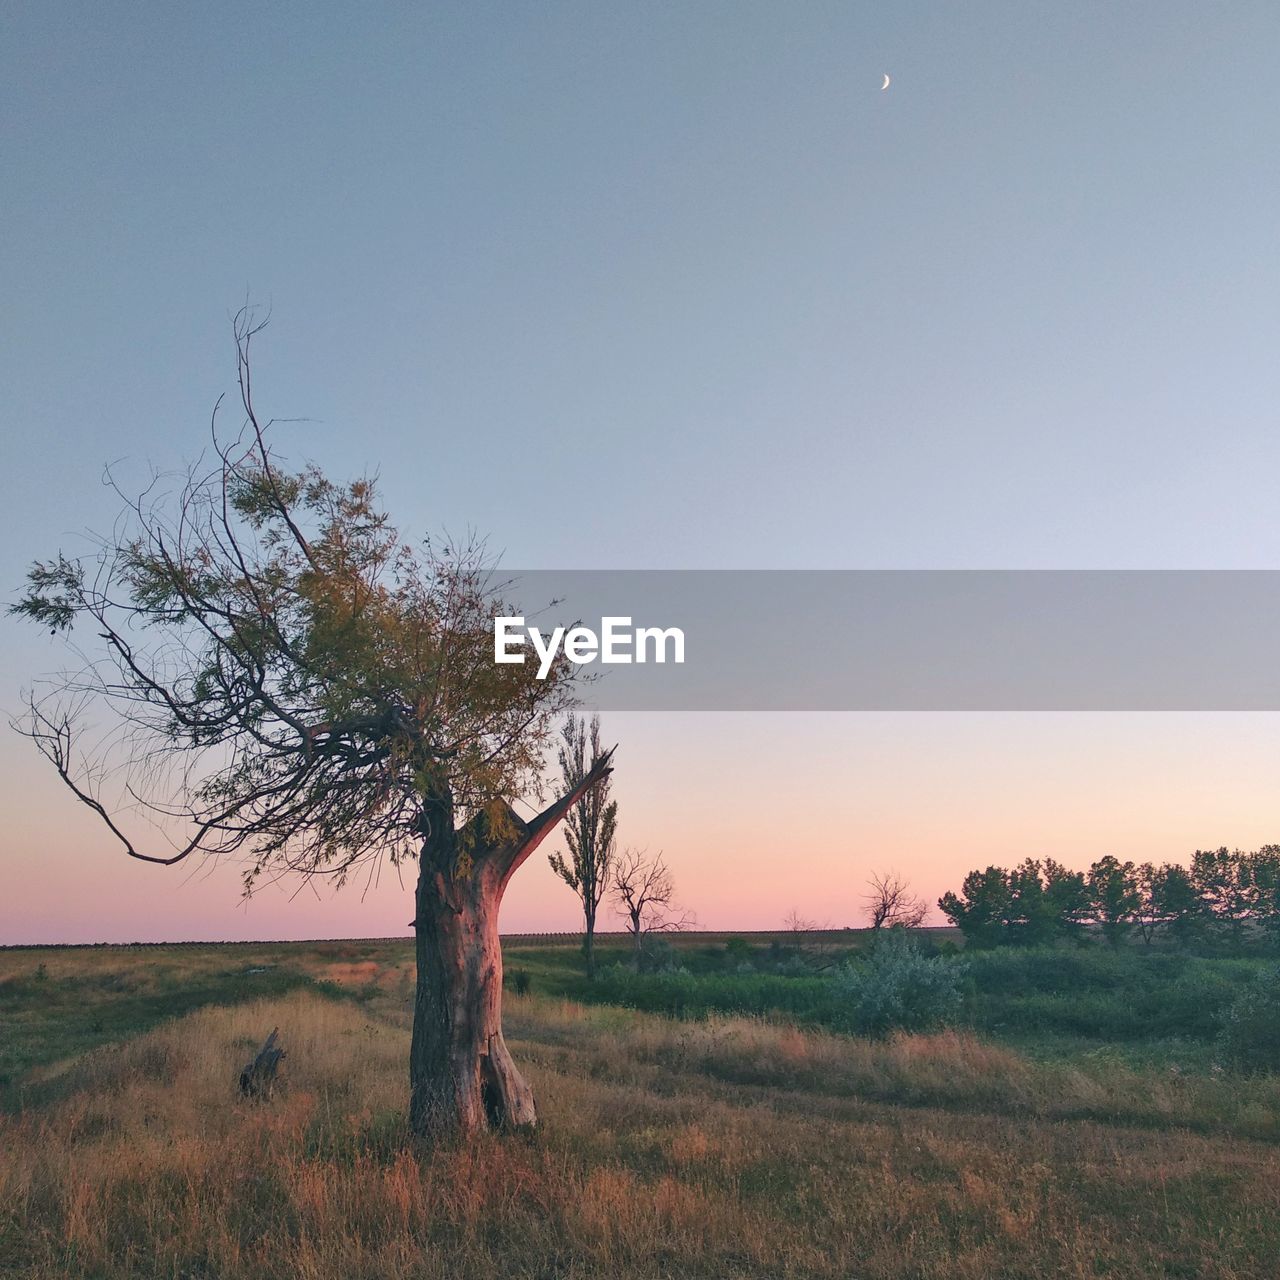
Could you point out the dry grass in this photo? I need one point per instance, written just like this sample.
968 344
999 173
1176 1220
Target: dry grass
950 1070
729 1148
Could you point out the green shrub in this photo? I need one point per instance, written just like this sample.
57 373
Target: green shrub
1125 993
898 988
1250 1037
694 995
658 955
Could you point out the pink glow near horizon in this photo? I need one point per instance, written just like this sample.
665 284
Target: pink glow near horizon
757 815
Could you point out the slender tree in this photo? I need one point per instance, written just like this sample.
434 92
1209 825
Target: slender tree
590 828
290 682
1147 915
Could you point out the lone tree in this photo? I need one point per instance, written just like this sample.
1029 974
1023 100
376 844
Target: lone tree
645 894
590 828
293 683
890 902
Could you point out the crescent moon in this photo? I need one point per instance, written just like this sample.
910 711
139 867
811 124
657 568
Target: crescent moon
884 86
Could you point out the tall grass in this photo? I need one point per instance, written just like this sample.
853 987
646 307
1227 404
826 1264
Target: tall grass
726 1147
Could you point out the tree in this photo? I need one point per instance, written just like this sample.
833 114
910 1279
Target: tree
1050 900
1147 916
645 894
1115 896
981 910
298 686
890 902
1033 903
1221 878
1175 902
805 947
1265 887
590 829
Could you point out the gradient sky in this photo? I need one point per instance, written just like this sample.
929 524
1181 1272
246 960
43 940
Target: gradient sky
673 286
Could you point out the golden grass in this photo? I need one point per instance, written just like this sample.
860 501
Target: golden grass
727 1148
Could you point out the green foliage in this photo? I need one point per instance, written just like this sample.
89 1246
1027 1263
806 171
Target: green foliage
1250 1036
590 827
1048 995
682 994
1031 904
1226 899
1115 896
1119 995
47 1016
326 685
898 988
657 954
982 909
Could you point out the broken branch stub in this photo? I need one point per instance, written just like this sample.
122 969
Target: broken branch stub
259 1076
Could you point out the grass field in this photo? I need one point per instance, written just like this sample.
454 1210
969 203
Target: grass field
718 1146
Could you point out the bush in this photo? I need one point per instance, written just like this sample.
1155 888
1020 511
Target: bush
1127 993
1250 1037
898 988
658 955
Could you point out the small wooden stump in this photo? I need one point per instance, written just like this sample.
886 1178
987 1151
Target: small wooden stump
258 1078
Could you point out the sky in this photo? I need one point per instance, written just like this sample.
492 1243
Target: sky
672 286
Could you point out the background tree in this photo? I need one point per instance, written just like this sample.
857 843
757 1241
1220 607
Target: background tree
1147 915
1115 896
645 894
981 909
890 902
798 925
1223 883
590 828
1035 902
807 945
1265 888
1175 903
1050 901
292 683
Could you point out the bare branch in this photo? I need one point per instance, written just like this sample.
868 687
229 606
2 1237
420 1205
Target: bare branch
890 902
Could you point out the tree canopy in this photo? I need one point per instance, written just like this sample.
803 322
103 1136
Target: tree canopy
289 676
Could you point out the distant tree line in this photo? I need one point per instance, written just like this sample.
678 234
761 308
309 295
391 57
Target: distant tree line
1224 898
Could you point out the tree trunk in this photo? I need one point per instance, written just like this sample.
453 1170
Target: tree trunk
589 943
461 1073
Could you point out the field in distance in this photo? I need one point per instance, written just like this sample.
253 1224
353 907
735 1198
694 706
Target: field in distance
1046 1137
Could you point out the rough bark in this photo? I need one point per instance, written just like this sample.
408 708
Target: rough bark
637 938
461 1073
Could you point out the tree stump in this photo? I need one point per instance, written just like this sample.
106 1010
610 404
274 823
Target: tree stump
258 1078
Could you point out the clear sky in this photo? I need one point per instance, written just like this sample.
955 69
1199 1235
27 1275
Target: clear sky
674 286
